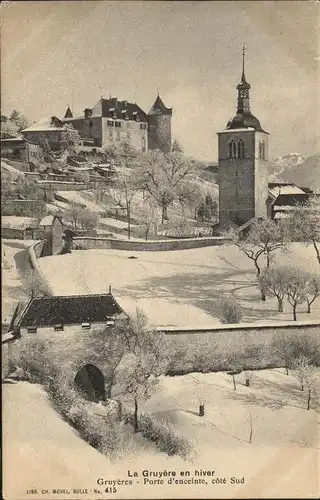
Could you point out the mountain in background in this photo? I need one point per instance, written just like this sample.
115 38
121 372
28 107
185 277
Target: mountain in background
298 169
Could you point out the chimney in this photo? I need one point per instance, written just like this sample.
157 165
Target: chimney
109 288
87 113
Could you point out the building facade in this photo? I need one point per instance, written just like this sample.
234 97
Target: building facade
243 157
19 148
111 122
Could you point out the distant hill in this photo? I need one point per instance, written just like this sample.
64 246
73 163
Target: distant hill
298 169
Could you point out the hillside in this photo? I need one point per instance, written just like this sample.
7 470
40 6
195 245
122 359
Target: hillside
297 169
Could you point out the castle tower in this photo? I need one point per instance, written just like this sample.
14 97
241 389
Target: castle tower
243 155
159 126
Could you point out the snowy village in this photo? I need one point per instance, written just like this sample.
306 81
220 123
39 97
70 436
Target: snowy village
160 265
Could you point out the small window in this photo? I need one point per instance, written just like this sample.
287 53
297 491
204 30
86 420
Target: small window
32 329
86 326
143 126
110 123
118 124
58 328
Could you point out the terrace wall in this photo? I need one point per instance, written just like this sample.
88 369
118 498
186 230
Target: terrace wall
211 348
151 246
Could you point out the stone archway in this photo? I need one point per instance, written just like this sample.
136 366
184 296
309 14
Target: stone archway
90 381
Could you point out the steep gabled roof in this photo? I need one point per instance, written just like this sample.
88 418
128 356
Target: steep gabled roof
68 113
132 109
159 108
68 310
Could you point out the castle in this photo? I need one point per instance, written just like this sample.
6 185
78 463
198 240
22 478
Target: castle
112 121
243 157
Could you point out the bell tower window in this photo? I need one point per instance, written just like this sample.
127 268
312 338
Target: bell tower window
262 150
236 149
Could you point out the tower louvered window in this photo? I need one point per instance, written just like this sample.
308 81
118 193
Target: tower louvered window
262 150
236 149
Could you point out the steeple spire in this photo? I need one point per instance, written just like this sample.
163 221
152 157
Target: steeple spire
243 78
243 89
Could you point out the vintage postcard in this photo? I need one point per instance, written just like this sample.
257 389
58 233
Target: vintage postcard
160 214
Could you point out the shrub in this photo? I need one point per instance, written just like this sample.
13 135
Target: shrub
163 435
231 311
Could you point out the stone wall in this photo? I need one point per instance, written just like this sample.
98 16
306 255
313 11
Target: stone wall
211 349
151 246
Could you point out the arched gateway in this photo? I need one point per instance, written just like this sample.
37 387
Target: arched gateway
90 380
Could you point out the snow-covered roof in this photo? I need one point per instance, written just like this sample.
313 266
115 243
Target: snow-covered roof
16 222
287 189
47 220
43 125
231 131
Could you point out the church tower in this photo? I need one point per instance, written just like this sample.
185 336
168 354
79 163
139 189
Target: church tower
243 156
159 126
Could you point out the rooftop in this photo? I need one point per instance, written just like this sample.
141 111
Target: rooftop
285 189
67 310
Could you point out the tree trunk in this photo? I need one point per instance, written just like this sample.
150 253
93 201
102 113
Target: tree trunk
317 250
309 399
287 370
234 382
268 260
280 304
309 306
294 310
128 219
257 267
135 417
302 386
164 214
263 296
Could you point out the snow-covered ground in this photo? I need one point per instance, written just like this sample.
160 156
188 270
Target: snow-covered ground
174 288
280 462
14 257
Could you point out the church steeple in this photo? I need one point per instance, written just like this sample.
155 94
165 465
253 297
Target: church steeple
243 89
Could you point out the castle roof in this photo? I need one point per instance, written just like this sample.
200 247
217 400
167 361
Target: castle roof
121 108
159 108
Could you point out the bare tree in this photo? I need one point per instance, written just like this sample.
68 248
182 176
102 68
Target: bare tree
148 212
313 290
88 219
189 193
73 214
263 238
148 357
272 281
296 281
161 175
304 224
125 189
304 372
35 285
283 347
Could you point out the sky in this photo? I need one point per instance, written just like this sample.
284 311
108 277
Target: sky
60 53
